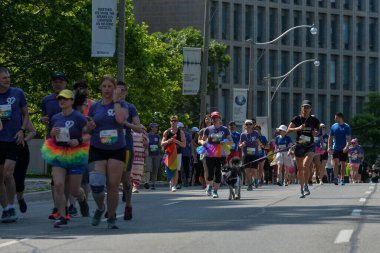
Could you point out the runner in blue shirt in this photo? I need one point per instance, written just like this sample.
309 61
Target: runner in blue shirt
339 142
283 143
15 118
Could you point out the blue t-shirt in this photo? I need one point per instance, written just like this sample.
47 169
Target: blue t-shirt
74 122
154 144
236 138
325 138
283 142
11 104
50 107
251 141
108 134
132 112
340 133
264 141
187 151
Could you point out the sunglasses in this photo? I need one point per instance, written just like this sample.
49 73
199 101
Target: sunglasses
249 124
173 120
306 106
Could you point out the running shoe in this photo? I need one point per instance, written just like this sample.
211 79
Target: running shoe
249 188
146 186
279 183
342 182
128 213
335 181
12 215
54 214
256 183
306 190
215 194
5 216
68 216
84 208
179 186
111 223
208 190
97 217
73 211
302 194
174 189
152 187
22 205
59 222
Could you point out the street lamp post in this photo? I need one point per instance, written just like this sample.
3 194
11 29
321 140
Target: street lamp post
203 91
313 31
270 97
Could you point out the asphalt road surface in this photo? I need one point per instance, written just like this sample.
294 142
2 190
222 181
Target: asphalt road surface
268 219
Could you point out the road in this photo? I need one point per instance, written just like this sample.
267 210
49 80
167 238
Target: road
268 219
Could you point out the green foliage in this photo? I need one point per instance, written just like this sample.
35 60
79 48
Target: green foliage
38 38
366 127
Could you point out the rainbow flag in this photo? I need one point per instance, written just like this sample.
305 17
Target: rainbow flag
170 160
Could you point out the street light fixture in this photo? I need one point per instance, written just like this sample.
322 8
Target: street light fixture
313 31
269 79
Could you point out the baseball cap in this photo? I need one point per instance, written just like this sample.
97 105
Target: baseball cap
180 124
282 128
68 94
215 114
194 129
231 123
153 124
248 121
306 102
59 75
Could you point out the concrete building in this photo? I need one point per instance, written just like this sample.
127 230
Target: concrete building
347 46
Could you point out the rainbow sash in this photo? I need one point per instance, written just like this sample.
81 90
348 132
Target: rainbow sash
170 160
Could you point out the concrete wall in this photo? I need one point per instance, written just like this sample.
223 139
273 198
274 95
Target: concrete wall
36 165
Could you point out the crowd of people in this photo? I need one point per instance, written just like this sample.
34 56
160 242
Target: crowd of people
96 146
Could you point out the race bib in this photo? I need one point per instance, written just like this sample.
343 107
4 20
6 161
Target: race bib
108 137
64 135
153 148
354 157
251 151
281 147
6 112
304 139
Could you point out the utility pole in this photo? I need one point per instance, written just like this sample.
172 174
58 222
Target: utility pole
121 42
250 82
206 32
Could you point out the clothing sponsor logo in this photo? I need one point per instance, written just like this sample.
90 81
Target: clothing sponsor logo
111 112
11 100
69 124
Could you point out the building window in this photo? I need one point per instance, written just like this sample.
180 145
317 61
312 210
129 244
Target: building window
297 72
285 67
347 107
360 33
333 4
272 23
226 74
322 108
334 105
272 62
297 99
309 37
347 32
309 72
322 31
310 2
237 65
248 22
373 34
359 104
225 21
373 5
285 25
347 67
260 28
285 108
247 61
360 73
372 74
321 3
360 5
322 72
334 31
237 22
214 31
333 72
261 104
347 4
297 33
260 67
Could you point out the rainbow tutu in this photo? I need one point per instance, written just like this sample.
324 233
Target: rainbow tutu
214 150
64 157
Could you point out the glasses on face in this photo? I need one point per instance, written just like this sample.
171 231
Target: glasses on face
249 124
306 106
173 120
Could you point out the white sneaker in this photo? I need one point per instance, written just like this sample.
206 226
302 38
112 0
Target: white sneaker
320 182
174 189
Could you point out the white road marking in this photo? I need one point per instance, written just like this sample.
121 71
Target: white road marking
356 212
6 244
171 203
368 192
362 199
344 236
372 187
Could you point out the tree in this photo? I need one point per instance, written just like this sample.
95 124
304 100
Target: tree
366 127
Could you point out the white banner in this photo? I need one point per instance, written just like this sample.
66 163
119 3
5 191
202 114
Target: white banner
239 108
191 75
103 41
263 122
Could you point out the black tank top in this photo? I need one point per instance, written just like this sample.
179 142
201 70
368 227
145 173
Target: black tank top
169 135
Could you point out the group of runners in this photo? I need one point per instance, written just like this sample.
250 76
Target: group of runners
90 147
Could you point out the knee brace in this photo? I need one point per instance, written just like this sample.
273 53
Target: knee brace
97 183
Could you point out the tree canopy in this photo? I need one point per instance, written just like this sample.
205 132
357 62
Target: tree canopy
40 37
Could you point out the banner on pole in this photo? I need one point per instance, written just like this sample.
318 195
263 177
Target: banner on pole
103 41
263 122
191 74
239 109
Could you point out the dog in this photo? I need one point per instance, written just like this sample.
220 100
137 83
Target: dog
233 178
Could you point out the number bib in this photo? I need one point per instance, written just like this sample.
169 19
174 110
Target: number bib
153 148
63 138
251 151
281 147
5 112
304 139
216 138
108 137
